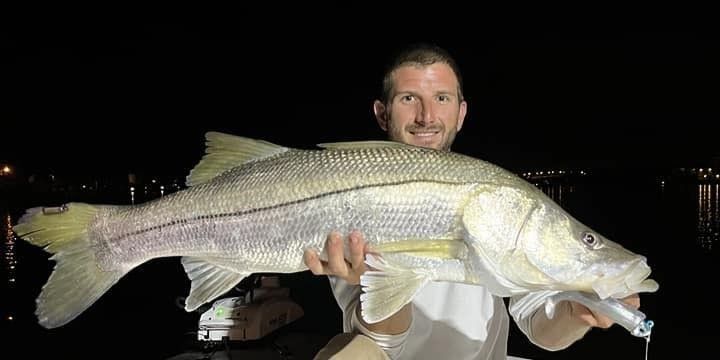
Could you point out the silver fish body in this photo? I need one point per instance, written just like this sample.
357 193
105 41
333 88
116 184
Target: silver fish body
253 206
264 214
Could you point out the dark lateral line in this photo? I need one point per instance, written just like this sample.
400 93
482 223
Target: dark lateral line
250 211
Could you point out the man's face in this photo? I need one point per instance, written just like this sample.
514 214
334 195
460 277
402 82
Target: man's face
424 108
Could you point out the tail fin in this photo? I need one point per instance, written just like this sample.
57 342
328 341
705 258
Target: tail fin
77 280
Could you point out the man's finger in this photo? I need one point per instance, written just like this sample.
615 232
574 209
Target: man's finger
312 261
357 252
336 263
583 313
632 300
603 321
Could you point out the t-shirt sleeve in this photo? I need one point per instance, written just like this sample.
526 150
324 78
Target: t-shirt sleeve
346 296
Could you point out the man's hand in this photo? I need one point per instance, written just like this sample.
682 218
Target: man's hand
592 319
348 270
570 323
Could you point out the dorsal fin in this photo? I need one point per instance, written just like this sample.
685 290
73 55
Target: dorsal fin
363 144
225 151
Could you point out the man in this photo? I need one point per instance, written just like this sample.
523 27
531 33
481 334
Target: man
422 104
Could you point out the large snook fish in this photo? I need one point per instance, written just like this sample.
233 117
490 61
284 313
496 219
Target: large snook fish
253 206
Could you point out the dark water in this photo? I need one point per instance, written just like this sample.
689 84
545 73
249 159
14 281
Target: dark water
675 225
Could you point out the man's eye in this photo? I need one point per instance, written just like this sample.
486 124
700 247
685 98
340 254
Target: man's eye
407 98
443 98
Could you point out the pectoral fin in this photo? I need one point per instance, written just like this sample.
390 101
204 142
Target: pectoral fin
388 288
208 281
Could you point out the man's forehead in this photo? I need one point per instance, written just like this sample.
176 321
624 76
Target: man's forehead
436 70
436 66
412 74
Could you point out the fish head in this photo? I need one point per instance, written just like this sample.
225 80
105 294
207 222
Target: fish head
573 256
527 242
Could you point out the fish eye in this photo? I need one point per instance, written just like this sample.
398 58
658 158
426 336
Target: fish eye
590 240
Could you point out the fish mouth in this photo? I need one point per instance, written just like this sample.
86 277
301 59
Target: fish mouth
630 282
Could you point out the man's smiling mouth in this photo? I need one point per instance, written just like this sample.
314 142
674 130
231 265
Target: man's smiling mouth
424 133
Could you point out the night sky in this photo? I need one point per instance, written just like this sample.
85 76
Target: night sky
140 94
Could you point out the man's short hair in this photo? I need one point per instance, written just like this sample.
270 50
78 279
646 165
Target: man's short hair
421 54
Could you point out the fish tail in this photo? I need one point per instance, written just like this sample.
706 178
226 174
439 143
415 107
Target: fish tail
77 280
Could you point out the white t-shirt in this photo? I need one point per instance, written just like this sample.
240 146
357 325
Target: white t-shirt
450 321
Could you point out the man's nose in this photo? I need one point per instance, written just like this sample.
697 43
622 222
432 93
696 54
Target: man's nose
426 115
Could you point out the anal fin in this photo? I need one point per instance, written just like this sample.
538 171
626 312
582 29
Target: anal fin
208 280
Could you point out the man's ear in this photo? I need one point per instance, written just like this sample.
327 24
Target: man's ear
461 115
381 114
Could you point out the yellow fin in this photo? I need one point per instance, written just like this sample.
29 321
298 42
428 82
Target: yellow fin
388 288
389 285
225 151
440 249
77 280
208 280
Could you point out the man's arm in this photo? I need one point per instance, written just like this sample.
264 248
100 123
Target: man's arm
350 271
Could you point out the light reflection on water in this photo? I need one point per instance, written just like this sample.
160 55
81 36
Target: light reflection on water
708 215
9 261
